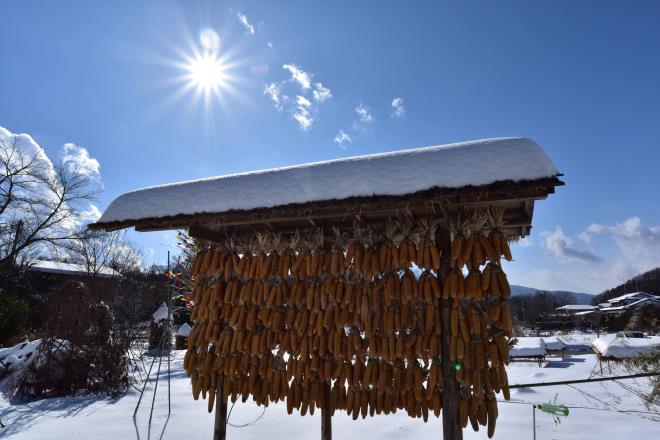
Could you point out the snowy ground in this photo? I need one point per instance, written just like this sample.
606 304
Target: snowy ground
106 419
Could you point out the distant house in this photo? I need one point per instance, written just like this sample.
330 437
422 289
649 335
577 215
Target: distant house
572 309
629 301
618 305
632 298
61 268
44 277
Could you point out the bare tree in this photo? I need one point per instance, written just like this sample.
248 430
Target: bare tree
40 202
97 251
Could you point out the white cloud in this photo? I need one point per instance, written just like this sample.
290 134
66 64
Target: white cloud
273 90
524 242
302 101
638 244
398 110
301 113
303 118
562 247
298 75
73 159
308 99
245 22
92 214
342 138
636 250
364 117
321 93
78 158
270 45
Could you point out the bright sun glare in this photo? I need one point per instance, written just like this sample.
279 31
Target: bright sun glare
207 69
207 72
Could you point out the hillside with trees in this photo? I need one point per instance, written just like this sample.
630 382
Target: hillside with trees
648 282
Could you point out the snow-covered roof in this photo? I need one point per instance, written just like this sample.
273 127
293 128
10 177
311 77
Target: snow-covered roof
69 268
588 312
576 307
553 343
528 346
184 330
621 347
162 313
474 163
633 304
630 296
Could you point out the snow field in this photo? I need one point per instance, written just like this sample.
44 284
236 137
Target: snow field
106 419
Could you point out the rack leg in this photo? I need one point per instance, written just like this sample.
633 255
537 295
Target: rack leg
220 426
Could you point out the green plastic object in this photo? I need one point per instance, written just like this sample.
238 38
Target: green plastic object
555 409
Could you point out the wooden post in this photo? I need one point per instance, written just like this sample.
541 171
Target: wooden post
326 414
451 428
220 426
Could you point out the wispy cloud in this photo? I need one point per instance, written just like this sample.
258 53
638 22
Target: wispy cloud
398 110
321 93
524 242
365 117
245 22
638 244
308 95
298 75
622 251
342 139
301 113
561 246
275 94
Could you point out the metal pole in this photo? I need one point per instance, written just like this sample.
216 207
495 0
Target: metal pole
144 386
534 420
220 424
569 382
169 337
160 361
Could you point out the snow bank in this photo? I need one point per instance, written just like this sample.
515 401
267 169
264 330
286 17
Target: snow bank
578 342
12 359
102 418
622 347
457 165
528 347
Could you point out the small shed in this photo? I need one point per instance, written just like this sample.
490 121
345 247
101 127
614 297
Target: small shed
341 285
528 348
617 348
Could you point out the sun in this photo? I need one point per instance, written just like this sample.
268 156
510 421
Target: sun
207 73
207 70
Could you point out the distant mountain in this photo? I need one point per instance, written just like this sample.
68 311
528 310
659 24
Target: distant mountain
580 298
648 282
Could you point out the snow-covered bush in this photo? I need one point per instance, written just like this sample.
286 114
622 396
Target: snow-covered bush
83 349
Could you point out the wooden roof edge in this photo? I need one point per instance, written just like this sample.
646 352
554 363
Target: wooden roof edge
497 192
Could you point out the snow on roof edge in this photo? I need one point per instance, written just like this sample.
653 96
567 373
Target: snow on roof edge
472 163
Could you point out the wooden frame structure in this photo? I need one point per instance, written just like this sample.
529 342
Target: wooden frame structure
454 321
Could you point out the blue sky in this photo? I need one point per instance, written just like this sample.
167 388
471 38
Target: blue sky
580 78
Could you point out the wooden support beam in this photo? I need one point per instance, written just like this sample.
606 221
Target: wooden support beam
451 428
220 425
326 414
